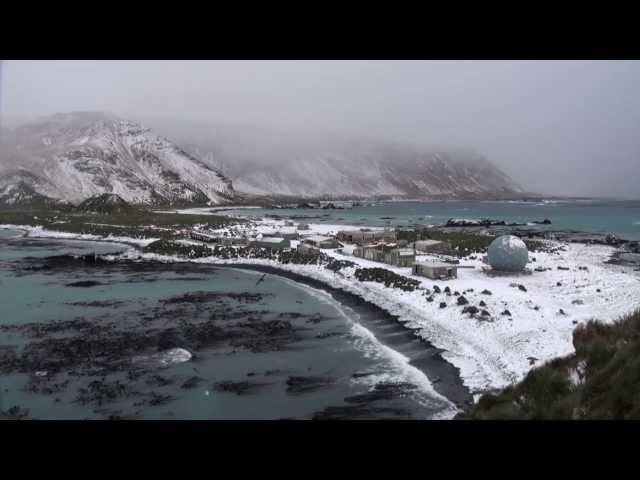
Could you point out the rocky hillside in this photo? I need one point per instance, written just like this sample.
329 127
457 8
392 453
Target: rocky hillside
105 203
19 188
76 156
79 155
314 166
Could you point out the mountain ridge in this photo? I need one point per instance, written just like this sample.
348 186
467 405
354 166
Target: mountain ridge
74 156
302 165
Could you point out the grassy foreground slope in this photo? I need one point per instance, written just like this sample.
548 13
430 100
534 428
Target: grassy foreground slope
600 381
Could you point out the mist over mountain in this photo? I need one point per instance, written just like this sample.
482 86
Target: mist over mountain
74 156
264 161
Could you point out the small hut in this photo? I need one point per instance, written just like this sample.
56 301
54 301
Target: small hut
435 270
400 257
217 239
431 246
374 253
366 236
321 241
271 243
288 232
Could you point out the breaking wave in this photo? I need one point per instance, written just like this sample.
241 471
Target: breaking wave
397 366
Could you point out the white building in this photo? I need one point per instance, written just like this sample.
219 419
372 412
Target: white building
435 270
321 241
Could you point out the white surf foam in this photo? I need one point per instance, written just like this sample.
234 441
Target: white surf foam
398 368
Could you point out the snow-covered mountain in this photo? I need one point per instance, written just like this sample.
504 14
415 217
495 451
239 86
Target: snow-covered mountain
380 173
266 162
75 156
106 203
21 188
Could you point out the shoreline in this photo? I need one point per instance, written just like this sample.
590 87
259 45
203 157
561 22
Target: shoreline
444 376
487 355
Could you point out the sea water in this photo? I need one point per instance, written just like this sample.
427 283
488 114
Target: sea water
337 346
595 216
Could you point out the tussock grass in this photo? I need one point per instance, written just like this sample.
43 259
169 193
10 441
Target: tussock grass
608 360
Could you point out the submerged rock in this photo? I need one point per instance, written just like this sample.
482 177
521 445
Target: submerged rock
84 284
299 385
239 388
191 382
14 413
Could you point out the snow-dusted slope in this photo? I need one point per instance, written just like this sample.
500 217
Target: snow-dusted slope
20 187
427 175
308 165
78 155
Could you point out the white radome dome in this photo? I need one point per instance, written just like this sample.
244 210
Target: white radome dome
508 253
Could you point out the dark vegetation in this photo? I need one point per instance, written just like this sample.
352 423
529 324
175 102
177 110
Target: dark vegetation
107 203
133 223
389 278
168 247
462 243
607 365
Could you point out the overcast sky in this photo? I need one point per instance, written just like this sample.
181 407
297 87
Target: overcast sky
563 127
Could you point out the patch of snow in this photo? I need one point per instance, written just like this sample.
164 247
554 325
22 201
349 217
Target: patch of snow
490 352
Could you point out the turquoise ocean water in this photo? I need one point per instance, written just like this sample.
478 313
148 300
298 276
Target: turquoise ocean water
596 216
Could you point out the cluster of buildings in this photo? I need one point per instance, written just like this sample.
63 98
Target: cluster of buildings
384 247
378 246
278 240
393 254
217 239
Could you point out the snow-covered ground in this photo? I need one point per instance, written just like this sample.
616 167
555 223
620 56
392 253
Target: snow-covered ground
40 232
491 352
213 210
499 350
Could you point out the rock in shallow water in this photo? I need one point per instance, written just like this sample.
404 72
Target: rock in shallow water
166 358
